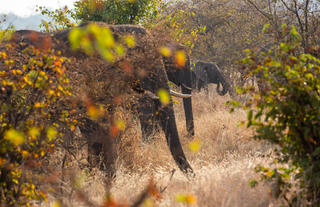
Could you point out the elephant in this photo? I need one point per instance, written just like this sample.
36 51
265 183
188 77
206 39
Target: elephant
180 76
139 75
205 73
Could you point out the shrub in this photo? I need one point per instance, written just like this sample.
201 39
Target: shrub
285 111
32 114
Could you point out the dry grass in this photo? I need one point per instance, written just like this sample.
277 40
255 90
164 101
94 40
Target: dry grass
223 166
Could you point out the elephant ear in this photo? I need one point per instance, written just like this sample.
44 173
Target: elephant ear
201 72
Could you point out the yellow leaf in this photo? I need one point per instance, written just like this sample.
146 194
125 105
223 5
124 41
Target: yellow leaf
107 37
107 54
55 204
19 72
164 96
180 58
14 136
25 154
3 55
180 198
93 112
148 203
165 51
51 92
195 146
37 105
269 174
130 41
51 133
190 199
75 36
120 50
34 132
186 198
121 125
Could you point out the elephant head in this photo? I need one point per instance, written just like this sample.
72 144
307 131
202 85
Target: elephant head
207 73
145 74
180 76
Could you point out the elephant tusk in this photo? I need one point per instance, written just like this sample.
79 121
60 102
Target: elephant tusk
186 87
151 95
180 95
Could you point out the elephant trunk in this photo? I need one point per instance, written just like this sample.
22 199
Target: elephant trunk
168 124
186 88
223 91
225 84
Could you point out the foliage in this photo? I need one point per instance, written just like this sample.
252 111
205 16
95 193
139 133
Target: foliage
303 14
216 31
117 12
108 11
174 19
33 86
94 38
60 19
285 111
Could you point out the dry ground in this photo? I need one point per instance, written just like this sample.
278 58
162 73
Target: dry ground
223 165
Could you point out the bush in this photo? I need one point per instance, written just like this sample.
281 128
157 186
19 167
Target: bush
285 111
32 115
115 11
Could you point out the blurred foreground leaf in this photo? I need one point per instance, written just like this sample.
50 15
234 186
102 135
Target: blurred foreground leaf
186 198
164 96
195 146
14 136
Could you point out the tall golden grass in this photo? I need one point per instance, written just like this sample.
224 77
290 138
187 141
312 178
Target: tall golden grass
223 165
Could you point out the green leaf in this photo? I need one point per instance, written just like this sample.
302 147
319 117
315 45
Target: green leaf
253 183
265 27
309 76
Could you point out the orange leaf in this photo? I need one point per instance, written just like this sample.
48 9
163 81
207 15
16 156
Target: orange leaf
180 58
114 131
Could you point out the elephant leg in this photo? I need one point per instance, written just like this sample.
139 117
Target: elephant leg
147 117
199 85
100 144
206 89
94 153
187 104
168 125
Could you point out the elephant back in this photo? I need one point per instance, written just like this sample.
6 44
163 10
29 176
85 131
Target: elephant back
201 71
94 77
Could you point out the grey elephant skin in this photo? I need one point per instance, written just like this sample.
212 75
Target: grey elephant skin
205 73
180 76
147 74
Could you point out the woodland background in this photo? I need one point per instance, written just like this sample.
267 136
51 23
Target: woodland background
265 153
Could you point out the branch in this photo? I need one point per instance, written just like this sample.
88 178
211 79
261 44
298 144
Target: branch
266 15
306 22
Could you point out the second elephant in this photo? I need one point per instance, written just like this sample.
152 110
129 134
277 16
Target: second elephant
205 73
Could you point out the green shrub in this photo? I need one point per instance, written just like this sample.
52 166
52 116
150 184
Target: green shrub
115 11
286 112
